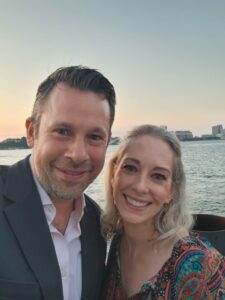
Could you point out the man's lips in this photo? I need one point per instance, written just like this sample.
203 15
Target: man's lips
72 172
71 175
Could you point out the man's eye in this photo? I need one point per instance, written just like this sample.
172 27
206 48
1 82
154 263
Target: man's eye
62 131
159 177
129 168
96 137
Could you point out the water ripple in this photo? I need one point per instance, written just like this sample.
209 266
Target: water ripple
204 163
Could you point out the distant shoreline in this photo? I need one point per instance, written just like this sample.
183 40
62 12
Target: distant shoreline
14 148
12 144
201 139
21 144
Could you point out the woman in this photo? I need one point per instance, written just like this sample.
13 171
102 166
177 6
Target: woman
153 253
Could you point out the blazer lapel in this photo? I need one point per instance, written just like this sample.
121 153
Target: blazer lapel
26 217
91 255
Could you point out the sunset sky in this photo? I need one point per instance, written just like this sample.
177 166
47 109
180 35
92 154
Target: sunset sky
166 59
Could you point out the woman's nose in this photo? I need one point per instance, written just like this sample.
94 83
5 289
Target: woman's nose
142 185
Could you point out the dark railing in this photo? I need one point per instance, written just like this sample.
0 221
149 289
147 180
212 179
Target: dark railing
213 228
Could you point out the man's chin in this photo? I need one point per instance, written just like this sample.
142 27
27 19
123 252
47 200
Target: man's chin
65 191
63 195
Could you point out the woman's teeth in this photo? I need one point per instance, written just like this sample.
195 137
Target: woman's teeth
137 203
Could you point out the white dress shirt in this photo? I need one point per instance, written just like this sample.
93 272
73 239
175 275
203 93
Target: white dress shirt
67 246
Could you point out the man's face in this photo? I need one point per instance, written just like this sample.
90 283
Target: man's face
70 147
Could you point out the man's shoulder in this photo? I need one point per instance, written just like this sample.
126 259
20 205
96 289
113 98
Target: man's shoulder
92 205
3 173
14 173
4 169
23 162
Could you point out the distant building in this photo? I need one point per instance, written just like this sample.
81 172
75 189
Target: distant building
10 140
184 135
223 135
217 130
207 136
164 127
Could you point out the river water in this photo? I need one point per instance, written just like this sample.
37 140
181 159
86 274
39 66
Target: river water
204 163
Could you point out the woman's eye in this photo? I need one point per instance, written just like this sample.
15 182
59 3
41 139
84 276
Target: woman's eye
159 177
129 168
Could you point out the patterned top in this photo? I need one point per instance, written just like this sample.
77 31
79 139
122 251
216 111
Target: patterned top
194 271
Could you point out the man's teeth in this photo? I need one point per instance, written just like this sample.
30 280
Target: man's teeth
136 203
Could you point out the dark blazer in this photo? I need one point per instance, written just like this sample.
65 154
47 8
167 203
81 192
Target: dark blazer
29 268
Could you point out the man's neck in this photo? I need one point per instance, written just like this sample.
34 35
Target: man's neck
63 212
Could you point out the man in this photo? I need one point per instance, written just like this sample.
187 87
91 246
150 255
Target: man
51 246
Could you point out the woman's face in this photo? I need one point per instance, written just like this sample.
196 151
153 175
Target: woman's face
142 180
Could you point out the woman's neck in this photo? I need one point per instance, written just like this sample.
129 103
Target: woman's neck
137 237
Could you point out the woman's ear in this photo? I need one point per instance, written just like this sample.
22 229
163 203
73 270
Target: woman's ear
170 198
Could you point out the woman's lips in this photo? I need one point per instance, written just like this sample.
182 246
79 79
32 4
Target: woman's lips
139 204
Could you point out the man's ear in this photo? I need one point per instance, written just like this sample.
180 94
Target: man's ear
30 132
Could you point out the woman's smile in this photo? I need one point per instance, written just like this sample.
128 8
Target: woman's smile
136 203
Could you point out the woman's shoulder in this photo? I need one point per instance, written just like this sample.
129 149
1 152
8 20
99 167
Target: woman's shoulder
198 267
196 254
194 243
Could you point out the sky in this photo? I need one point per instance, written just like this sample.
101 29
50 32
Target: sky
166 59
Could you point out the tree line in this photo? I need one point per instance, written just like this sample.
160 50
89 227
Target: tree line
19 143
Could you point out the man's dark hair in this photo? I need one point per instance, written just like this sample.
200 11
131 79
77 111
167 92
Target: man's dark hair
78 77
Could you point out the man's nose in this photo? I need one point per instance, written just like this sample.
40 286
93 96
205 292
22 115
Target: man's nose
77 150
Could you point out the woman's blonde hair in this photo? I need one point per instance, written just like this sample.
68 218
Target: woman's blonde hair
175 216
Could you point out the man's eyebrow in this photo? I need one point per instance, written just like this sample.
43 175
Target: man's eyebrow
62 124
71 126
98 129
